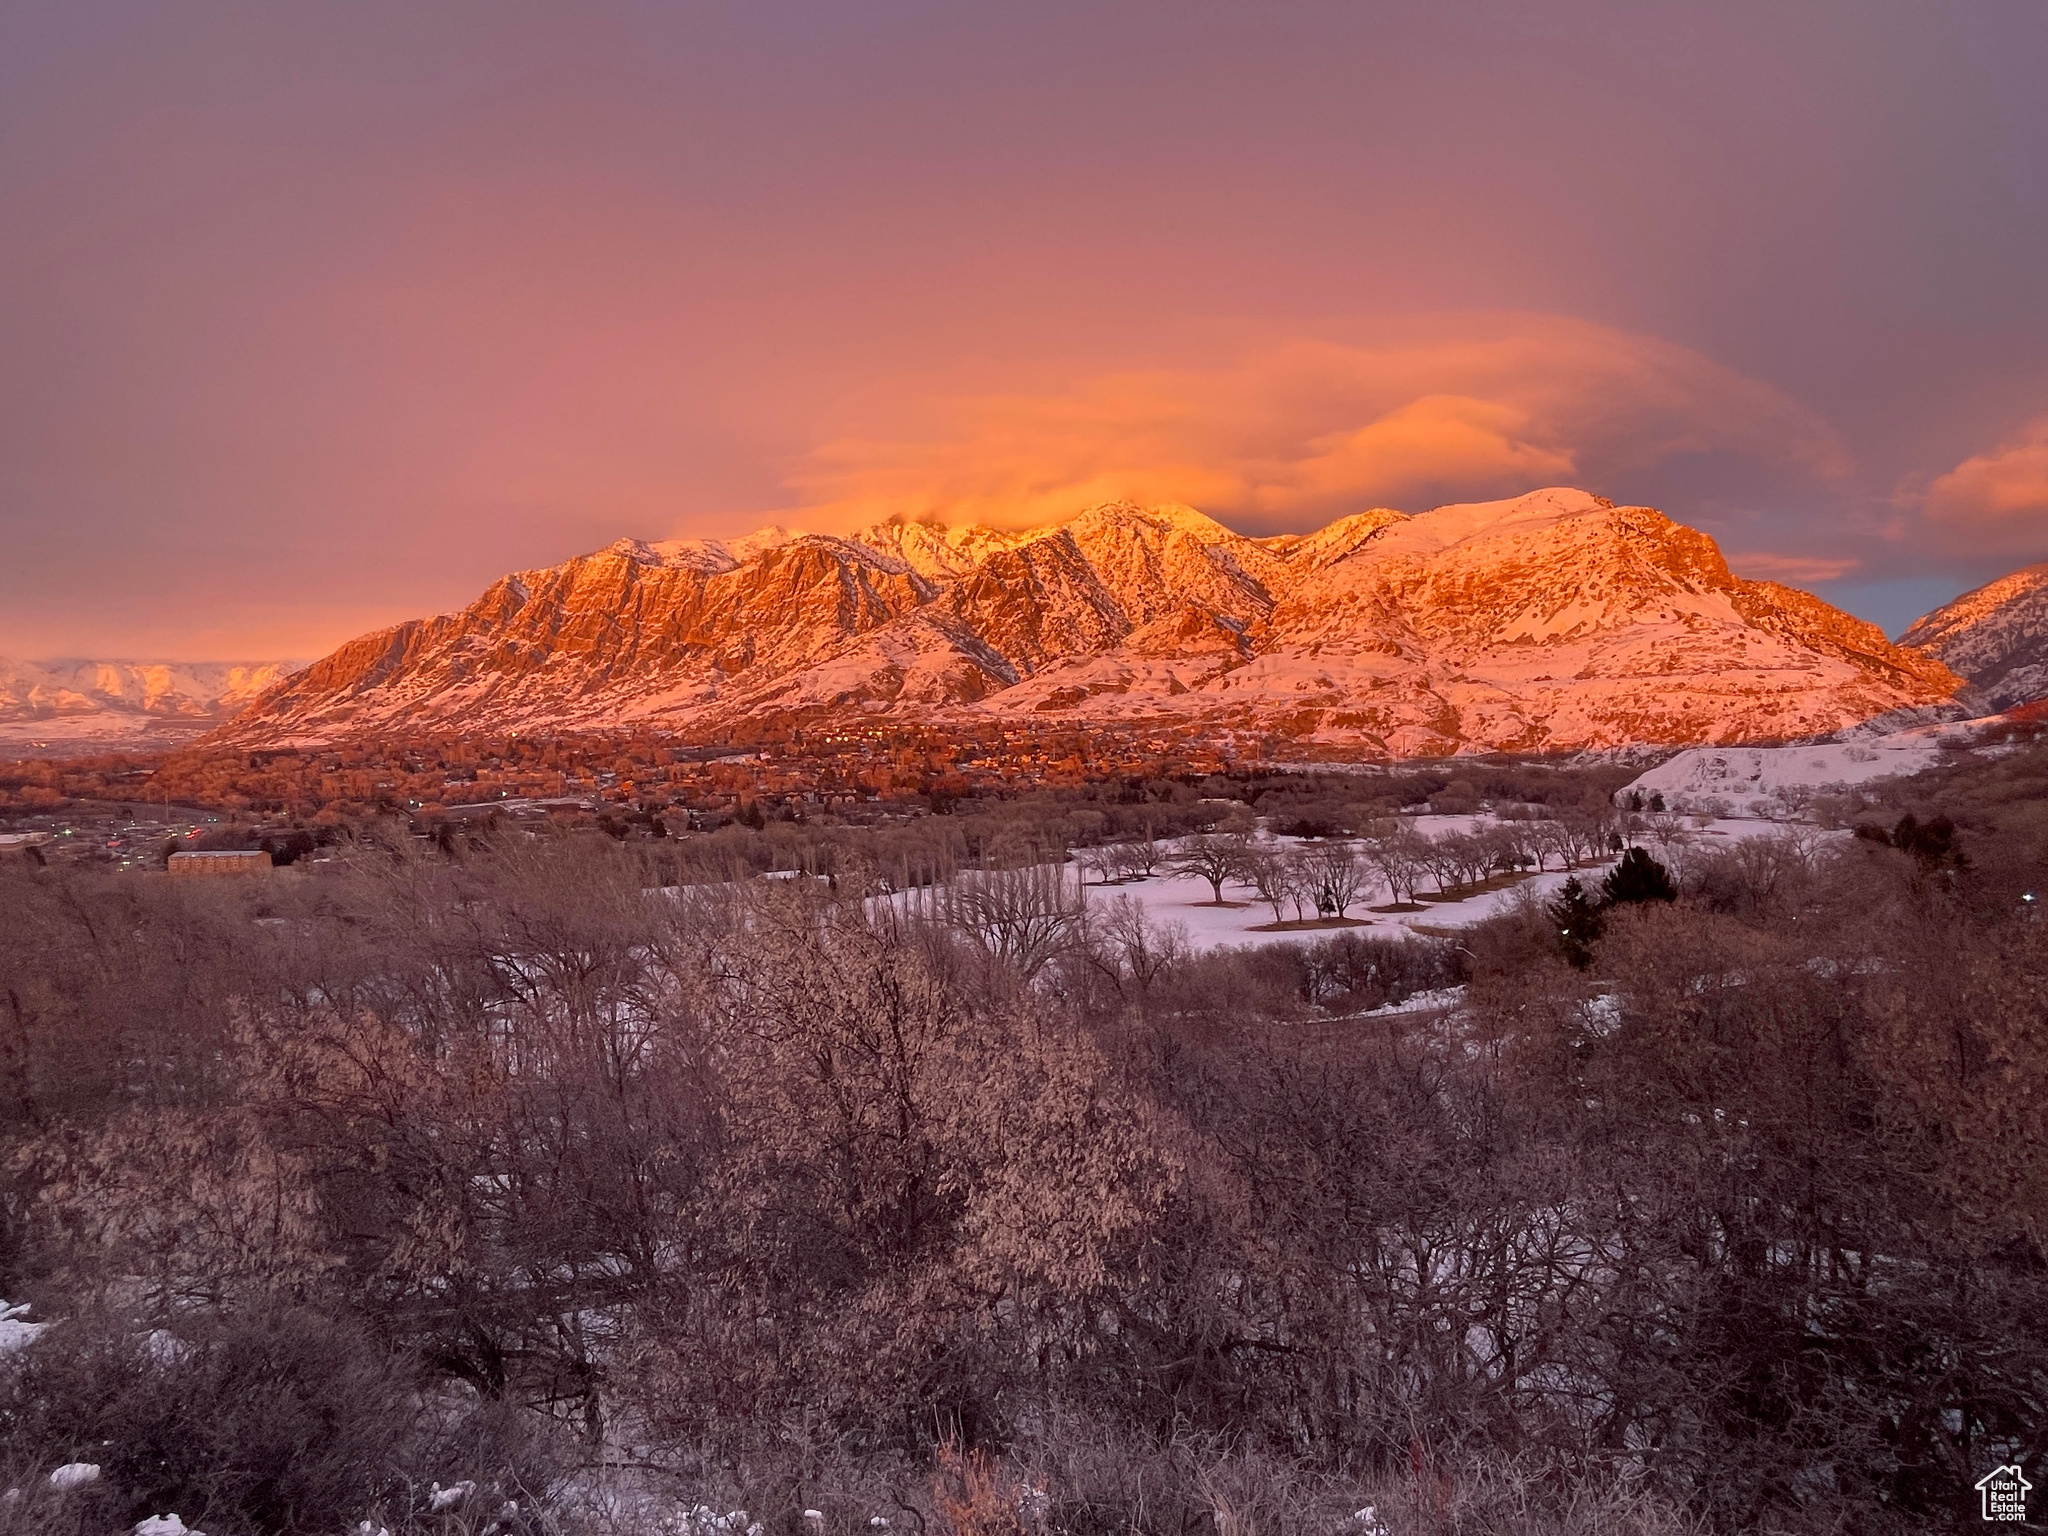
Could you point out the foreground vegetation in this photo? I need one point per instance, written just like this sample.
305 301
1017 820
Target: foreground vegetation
503 1164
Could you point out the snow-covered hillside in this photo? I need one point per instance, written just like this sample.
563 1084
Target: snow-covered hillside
1725 780
1996 637
1555 620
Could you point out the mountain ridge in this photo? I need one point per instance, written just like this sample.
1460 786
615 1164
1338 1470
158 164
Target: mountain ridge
1996 636
1554 619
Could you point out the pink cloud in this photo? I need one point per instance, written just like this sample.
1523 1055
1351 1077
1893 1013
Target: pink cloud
2000 498
1296 431
1795 569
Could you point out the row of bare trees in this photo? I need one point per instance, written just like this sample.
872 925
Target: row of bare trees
1328 876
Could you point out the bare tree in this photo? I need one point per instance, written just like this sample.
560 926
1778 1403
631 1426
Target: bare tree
1132 951
1395 850
1276 875
1522 827
1215 857
1591 826
1335 875
1105 863
1441 857
1672 837
1021 918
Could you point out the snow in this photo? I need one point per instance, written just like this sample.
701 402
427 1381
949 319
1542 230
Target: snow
1444 528
703 1520
50 690
15 1328
1421 1002
165 1525
1549 621
74 1474
1714 779
69 707
1185 901
1996 636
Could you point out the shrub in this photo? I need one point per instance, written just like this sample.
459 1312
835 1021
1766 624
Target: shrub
281 1420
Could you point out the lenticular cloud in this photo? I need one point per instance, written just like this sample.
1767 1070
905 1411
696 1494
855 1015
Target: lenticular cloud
1297 429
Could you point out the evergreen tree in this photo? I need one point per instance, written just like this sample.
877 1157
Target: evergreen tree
1578 923
1638 877
1931 843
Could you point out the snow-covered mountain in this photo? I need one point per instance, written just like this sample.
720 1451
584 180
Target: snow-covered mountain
1555 620
119 703
1996 637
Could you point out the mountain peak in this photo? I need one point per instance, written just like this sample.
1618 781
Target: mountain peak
1169 515
709 555
1553 621
1442 527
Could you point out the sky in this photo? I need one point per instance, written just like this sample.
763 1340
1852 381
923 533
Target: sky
314 317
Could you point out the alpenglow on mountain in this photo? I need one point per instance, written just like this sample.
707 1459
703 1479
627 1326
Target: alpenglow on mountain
109 705
1555 620
1996 637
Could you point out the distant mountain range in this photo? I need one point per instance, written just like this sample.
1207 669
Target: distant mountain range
1552 621
115 704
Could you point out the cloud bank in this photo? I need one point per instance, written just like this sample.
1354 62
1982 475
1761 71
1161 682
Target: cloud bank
1293 432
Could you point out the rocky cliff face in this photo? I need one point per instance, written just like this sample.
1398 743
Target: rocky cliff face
1552 621
1996 637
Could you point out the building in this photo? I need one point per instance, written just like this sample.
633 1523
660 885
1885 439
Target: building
226 861
26 846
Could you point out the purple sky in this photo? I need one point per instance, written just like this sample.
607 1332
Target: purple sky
314 317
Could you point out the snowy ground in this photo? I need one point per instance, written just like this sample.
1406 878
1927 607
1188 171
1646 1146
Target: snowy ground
1728 779
1185 901
15 1328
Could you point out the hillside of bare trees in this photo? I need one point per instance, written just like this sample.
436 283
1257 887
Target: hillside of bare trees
562 1184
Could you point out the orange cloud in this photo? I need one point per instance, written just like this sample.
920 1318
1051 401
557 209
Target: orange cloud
2000 497
1296 431
1435 438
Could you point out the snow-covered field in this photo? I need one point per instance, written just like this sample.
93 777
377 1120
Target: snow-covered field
1185 901
1725 779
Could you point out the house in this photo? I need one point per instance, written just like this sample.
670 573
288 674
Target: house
2004 1491
225 861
